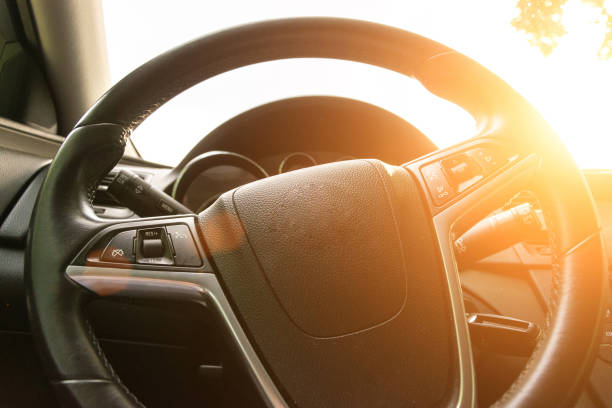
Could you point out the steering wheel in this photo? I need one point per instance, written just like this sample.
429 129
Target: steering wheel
337 284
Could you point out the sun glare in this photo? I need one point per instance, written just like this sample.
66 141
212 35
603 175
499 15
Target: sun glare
572 87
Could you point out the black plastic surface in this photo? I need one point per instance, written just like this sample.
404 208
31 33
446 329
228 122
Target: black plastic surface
14 228
502 334
16 170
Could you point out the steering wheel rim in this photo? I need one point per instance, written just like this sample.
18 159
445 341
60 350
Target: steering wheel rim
63 219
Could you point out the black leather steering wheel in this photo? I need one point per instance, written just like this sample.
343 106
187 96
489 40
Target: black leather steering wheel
337 284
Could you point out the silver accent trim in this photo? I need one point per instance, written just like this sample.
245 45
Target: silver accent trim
202 288
86 381
467 382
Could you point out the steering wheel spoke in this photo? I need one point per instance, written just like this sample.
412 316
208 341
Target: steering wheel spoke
461 185
156 279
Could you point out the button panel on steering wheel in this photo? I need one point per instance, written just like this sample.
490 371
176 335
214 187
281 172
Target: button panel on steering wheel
146 243
448 177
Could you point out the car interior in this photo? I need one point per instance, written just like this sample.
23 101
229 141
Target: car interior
311 251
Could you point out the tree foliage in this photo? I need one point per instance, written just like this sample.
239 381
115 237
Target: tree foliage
541 21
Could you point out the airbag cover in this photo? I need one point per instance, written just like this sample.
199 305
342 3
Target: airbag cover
327 241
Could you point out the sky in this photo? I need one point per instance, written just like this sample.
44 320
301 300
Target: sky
572 88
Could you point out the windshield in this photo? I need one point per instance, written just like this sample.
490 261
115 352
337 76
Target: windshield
571 86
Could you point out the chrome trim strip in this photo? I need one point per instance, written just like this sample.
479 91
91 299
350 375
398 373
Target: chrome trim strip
467 381
203 288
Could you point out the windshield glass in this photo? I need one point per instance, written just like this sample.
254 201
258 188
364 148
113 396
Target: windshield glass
567 77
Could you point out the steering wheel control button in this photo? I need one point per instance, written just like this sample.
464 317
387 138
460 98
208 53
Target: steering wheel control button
439 187
462 170
153 247
120 248
185 251
489 158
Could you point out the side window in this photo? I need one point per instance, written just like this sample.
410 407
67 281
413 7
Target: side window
24 94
